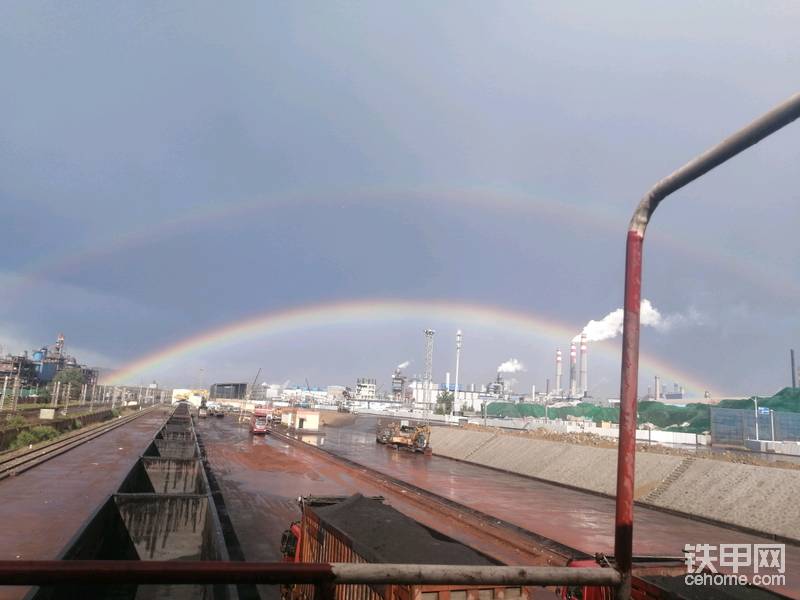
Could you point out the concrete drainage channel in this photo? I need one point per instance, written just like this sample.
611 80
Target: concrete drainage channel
164 510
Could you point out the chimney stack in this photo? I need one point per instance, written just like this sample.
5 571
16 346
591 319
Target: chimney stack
794 370
584 366
558 372
658 388
573 367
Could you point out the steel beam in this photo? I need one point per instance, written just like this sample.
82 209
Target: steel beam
104 572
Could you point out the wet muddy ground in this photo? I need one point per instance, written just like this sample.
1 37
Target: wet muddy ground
42 508
261 478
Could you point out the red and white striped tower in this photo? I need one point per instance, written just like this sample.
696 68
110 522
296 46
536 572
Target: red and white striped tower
558 373
573 370
584 366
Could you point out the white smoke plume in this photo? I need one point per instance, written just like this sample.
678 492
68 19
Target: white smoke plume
512 365
403 365
610 326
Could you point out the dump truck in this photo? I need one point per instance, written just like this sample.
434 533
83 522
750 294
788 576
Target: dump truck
259 422
404 435
361 529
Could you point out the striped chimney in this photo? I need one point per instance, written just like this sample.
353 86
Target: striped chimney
558 372
573 375
584 366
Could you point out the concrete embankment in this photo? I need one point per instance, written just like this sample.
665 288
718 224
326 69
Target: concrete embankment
752 497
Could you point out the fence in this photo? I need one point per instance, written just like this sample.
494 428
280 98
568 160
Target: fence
733 426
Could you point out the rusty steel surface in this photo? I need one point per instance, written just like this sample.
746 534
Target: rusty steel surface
42 508
17 462
626 457
58 572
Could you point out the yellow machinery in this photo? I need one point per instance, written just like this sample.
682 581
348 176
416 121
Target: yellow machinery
403 435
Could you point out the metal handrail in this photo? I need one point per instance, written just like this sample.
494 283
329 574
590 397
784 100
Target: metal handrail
60 572
775 119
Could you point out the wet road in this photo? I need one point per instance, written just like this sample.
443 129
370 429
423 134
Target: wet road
576 519
42 508
261 478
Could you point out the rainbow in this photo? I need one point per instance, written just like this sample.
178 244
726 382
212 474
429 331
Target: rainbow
494 197
382 311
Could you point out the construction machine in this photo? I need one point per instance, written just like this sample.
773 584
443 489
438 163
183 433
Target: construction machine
404 435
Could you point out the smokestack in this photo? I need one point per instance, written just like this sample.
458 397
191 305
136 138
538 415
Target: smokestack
573 375
658 388
794 369
558 372
584 366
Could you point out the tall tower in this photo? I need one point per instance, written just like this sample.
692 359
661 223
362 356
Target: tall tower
426 390
59 344
573 375
558 373
584 366
456 407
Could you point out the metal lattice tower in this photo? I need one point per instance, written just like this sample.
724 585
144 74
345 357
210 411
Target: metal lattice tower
426 393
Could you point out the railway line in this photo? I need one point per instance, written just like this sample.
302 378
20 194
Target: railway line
15 462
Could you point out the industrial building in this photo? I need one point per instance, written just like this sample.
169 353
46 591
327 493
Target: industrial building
41 367
228 391
366 388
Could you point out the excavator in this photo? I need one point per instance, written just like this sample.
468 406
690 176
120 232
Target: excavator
415 438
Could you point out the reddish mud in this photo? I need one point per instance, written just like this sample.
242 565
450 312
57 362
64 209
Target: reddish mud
42 508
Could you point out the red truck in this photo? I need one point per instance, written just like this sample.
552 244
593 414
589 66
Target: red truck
361 529
260 421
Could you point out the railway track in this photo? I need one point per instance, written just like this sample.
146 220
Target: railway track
16 462
526 547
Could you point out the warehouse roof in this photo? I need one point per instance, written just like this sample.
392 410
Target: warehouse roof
381 534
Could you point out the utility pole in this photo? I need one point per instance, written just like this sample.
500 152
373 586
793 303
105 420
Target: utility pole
755 401
454 407
426 392
3 397
15 393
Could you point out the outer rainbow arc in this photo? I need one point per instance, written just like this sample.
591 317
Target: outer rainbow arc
382 310
551 209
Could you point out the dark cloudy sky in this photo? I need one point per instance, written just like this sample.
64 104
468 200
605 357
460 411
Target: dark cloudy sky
168 168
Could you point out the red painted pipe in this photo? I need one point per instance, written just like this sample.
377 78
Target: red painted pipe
766 125
623 526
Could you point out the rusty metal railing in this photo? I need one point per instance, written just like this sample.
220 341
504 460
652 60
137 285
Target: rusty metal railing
97 572
778 117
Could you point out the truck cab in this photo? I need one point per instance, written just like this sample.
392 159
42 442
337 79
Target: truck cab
259 422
